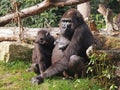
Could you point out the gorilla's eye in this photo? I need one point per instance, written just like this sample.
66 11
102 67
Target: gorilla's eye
63 20
66 20
69 20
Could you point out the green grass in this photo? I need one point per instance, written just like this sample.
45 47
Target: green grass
13 76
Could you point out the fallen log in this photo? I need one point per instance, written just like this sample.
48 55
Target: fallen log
104 42
108 54
107 42
12 33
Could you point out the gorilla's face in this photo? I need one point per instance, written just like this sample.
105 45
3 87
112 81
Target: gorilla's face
42 37
67 27
66 24
69 22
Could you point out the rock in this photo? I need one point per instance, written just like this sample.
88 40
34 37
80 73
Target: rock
14 50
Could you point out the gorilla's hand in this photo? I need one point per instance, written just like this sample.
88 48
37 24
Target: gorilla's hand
37 80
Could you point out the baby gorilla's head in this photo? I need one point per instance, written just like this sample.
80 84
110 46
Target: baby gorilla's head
43 37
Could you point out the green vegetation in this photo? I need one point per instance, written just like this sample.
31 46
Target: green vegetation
13 76
103 70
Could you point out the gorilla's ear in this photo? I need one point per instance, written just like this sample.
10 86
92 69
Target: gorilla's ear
38 32
47 34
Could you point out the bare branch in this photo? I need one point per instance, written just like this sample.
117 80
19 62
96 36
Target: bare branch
61 3
108 16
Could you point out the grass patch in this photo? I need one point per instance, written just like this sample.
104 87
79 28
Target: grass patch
13 76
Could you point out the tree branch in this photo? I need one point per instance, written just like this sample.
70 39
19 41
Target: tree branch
39 8
108 16
61 3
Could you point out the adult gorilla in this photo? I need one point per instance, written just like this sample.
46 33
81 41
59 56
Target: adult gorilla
74 28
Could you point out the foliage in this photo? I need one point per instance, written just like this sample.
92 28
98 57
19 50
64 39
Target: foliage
48 18
103 70
114 6
13 76
4 6
99 20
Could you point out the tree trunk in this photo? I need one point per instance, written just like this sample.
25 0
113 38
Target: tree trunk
85 10
46 4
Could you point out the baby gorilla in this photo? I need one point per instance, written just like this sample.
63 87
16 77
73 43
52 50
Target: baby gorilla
42 52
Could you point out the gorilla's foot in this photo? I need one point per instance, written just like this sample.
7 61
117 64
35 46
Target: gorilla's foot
37 80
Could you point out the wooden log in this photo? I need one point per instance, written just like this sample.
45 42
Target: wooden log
12 33
110 54
107 42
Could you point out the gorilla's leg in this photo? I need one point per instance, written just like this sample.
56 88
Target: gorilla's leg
76 67
75 61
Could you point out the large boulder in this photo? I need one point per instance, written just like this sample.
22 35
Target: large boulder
14 50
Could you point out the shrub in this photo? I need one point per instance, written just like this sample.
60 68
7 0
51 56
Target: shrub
103 70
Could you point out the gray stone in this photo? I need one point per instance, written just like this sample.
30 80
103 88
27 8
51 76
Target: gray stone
14 50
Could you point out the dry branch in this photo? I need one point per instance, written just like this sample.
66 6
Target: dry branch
46 4
107 13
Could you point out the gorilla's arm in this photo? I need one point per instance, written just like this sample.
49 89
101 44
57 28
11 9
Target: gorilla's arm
36 53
